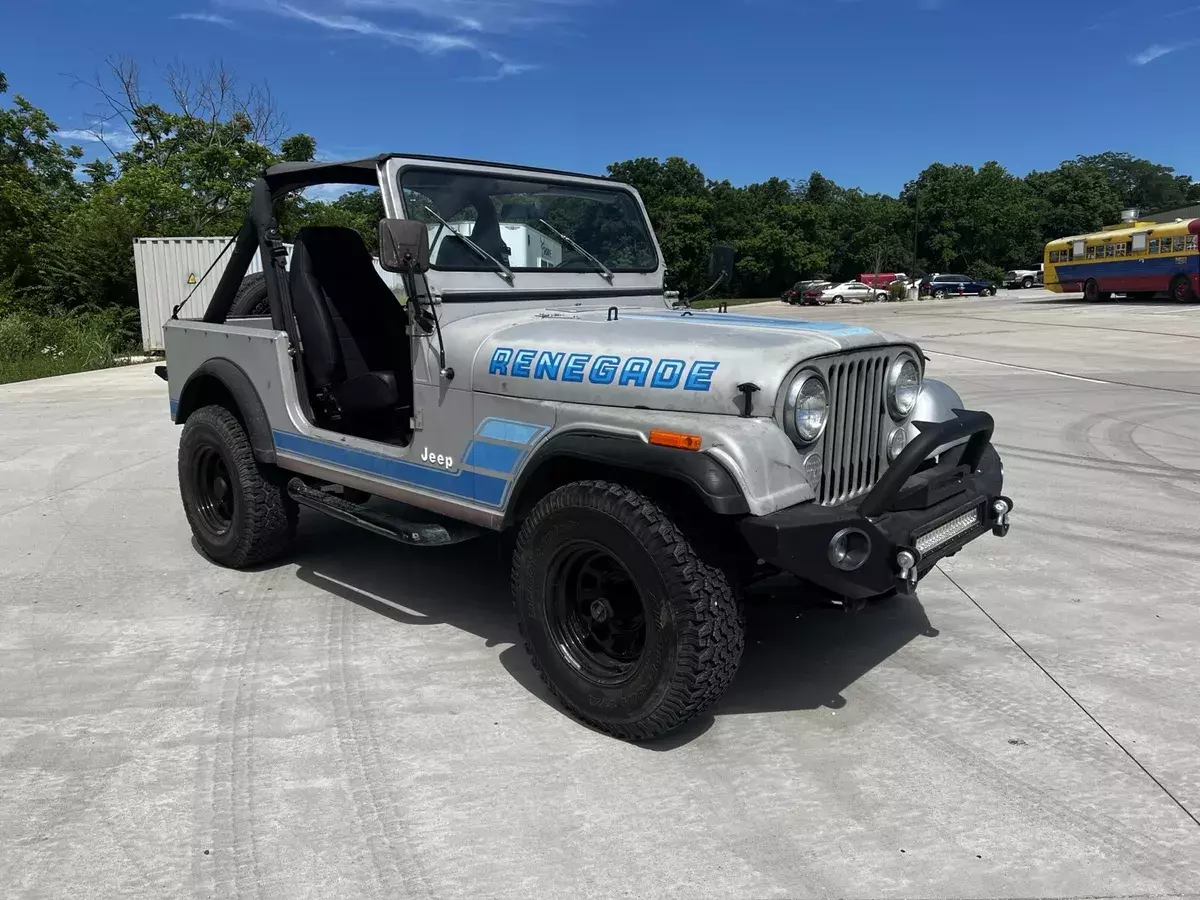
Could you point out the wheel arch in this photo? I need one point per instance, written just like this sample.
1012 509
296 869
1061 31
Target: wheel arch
223 382
682 477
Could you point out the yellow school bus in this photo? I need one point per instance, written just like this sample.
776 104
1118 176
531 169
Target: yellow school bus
1139 259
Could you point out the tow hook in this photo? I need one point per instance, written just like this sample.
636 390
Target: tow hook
1001 508
906 562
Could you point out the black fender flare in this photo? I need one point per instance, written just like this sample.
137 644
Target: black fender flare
199 391
710 481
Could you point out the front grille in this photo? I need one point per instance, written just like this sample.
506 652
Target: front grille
854 450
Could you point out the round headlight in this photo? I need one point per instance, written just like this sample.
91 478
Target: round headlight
904 384
896 444
808 406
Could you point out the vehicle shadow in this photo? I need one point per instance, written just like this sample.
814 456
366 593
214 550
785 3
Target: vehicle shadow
799 654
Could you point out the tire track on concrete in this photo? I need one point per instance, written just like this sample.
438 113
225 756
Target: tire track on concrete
1079 437
385 830
231 835
965 706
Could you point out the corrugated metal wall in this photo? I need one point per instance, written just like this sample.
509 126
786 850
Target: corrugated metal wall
169 269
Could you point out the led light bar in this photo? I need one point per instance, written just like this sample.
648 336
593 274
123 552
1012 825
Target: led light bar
944 534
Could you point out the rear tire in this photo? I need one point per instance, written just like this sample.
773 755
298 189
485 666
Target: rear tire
1092 292
837 299
938 295
1182 291
1027 283
251 297
628 626
239 510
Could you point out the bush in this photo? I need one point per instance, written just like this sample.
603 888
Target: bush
982 271
34 346
897 291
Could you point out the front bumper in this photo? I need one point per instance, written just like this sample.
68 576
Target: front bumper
914 516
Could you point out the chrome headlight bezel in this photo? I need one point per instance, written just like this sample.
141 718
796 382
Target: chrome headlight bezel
895 410
789 407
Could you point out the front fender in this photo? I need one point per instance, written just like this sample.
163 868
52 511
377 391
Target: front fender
937 402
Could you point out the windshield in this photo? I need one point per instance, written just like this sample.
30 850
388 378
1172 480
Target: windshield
526 223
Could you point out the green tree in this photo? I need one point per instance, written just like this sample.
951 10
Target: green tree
1139 183
1073 199
37 189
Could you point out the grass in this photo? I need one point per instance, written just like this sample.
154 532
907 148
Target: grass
36 346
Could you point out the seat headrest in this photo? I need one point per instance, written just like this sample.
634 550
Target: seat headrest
332 245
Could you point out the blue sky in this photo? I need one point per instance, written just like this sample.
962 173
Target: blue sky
866 91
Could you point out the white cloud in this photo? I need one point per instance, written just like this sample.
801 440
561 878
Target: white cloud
431 27
506 69
210 18
117 141
423 41
484 16
1157 51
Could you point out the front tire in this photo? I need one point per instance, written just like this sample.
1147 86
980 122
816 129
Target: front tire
1027 283
630 629
1093 294
239 510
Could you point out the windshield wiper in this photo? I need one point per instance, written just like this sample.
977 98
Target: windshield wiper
501 269
600 267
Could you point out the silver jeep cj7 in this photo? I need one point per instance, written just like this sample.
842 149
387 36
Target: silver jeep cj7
532 377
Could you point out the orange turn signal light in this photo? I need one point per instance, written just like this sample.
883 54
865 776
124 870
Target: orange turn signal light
675 439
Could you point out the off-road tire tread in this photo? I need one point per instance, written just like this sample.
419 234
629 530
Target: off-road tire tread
271 513
250 293
709 622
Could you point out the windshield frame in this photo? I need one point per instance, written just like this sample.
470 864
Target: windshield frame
537 178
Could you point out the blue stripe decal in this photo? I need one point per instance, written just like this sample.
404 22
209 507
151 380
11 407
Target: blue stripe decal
736 319
1124 268
486 489
513 432
496 457
174 407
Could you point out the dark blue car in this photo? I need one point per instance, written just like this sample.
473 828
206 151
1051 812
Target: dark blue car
943 285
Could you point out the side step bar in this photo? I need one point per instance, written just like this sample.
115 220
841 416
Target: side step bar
416 534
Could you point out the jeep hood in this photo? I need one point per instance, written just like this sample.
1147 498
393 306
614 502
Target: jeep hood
643 357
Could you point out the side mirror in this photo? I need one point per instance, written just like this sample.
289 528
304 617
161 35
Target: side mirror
720 267
403 246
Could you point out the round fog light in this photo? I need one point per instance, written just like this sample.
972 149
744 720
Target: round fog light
849 549
896 444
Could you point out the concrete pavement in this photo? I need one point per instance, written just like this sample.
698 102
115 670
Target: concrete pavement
359 721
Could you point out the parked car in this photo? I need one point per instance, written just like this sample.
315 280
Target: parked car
941 285
812 295
851 291
883 279
1023 278
795 294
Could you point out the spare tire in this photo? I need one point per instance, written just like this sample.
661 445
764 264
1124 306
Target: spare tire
251 297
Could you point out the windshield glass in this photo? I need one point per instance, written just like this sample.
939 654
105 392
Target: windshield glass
508 218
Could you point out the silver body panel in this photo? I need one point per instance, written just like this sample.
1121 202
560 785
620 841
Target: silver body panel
529 370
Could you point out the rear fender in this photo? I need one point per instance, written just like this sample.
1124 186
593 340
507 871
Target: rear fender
224 382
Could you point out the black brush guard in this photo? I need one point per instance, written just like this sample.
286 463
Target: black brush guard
909 501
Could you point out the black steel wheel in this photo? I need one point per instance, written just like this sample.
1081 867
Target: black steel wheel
1091 291
239 509
597 617
631 629
212 488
